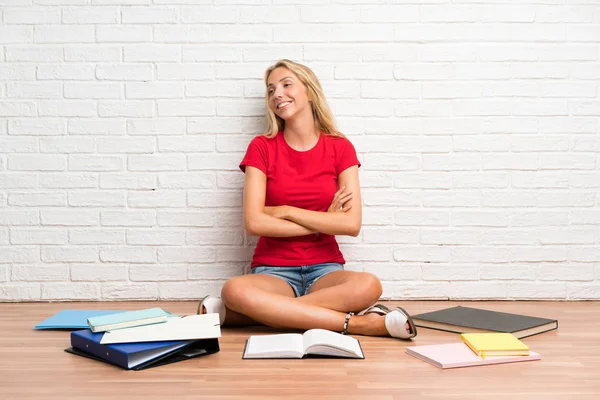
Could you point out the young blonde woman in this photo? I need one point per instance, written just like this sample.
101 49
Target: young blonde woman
301 190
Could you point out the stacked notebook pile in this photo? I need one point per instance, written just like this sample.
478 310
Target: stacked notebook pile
475 349
488 337
146 338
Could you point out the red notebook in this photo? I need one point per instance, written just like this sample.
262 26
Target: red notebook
456 355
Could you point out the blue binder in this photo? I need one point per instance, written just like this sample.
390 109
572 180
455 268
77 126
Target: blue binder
137 356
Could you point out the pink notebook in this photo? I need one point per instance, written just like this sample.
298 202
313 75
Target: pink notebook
455 355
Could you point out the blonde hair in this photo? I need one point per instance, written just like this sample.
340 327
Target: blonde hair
322 114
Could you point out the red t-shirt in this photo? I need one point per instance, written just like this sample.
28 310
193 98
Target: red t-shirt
303 179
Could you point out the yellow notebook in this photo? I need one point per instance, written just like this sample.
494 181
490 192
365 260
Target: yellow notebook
495 344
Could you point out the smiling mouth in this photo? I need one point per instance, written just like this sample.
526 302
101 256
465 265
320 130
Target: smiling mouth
283 105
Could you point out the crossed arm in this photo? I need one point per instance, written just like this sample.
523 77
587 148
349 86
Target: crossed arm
344 216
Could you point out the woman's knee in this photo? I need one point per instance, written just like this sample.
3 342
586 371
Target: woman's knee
369 289
246 291
234 292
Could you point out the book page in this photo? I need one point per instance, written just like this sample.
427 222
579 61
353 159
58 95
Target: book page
321 341
288 345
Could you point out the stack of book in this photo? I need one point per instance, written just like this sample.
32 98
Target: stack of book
488 337
146 338
475 349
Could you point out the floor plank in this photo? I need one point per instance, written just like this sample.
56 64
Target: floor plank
33 363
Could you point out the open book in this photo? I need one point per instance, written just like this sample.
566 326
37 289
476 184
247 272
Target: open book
314 342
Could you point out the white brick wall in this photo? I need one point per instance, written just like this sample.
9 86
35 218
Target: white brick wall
122 123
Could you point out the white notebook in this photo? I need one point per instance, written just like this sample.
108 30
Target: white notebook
203 326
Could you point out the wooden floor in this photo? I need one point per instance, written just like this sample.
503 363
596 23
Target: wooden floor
34 365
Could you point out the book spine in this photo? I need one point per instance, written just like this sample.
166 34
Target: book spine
100 350
479 353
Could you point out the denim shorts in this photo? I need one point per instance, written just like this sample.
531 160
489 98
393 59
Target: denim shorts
300 278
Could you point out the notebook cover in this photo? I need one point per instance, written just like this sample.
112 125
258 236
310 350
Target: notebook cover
486 320
127 316
456 355
484 342
72 319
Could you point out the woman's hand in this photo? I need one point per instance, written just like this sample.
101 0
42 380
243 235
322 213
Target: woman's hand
341 201
277 211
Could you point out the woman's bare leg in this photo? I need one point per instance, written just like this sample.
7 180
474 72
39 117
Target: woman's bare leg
348 291
331 297
344 291
275 285
269 300
236 319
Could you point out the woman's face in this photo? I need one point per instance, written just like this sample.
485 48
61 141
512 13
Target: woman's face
287 94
